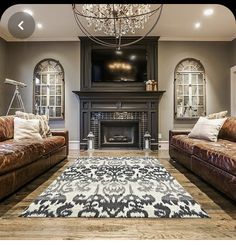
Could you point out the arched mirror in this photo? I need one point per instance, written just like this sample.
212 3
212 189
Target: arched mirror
49 89
189 89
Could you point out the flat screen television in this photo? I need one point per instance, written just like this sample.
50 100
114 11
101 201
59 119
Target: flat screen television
126 65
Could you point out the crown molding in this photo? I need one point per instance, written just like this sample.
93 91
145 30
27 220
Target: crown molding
43 39
198 39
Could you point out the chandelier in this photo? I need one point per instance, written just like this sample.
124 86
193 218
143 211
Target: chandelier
116 20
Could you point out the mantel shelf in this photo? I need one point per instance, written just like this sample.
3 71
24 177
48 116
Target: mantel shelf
120 95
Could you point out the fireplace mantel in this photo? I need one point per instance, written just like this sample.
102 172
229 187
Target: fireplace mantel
98 105
150 95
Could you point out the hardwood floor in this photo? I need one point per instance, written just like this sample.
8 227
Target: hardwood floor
221 225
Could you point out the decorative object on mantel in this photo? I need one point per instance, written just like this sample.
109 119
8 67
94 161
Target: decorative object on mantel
116 20
115 187
154 85
90 138
147 141
151 85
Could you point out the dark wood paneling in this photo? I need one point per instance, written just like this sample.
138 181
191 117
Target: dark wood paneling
89 95
150 44
85 125
122 102
119 97
104 105
134 105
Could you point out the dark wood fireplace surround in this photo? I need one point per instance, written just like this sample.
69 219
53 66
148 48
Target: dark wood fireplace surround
102 99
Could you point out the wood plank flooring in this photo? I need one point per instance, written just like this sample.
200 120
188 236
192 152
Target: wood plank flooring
221 225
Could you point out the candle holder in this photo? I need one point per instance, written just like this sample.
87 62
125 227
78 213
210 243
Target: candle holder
90 138
147 141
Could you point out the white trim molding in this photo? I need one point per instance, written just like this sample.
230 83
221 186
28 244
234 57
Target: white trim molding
233 91
163 145
74 145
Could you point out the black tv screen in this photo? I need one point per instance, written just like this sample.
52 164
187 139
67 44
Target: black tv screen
126 65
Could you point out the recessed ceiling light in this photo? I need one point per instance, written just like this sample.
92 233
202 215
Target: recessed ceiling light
208 12
28 11
197 25
39 25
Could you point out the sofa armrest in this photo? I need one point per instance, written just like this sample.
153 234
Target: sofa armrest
65 134
174 132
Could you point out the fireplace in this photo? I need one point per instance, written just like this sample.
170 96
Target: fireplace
98 107
119 133
118 113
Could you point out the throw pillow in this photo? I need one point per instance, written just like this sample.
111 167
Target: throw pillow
221 114
207 129
26 129
44 128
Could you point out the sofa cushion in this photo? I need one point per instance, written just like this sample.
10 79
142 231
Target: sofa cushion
207 129
52 143
6 127
15 154
44 128
26 129
185 143
217 115
228 130
221 154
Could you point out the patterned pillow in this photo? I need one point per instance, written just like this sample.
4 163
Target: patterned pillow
221 114
44 128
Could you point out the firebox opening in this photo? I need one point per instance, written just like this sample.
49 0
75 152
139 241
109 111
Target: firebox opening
119 133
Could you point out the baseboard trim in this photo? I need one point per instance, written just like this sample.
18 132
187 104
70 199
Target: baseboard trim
74 145
163 145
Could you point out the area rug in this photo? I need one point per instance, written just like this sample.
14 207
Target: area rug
115 187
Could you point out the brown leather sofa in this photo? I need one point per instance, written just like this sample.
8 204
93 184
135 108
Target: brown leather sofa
214 162
22 161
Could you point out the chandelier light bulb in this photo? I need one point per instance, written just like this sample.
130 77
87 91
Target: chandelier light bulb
120 18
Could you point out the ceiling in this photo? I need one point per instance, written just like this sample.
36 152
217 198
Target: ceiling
176 23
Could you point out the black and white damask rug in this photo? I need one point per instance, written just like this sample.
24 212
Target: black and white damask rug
115 187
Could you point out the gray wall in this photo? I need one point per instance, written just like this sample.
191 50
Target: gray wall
234 52
216 59
2 76
22 58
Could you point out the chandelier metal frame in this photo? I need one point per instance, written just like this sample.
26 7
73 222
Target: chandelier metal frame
117 40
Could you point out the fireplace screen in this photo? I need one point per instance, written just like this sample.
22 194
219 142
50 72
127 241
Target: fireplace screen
119 133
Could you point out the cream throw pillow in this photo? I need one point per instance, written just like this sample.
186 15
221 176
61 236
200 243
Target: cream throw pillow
207 129
26 129
44 128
